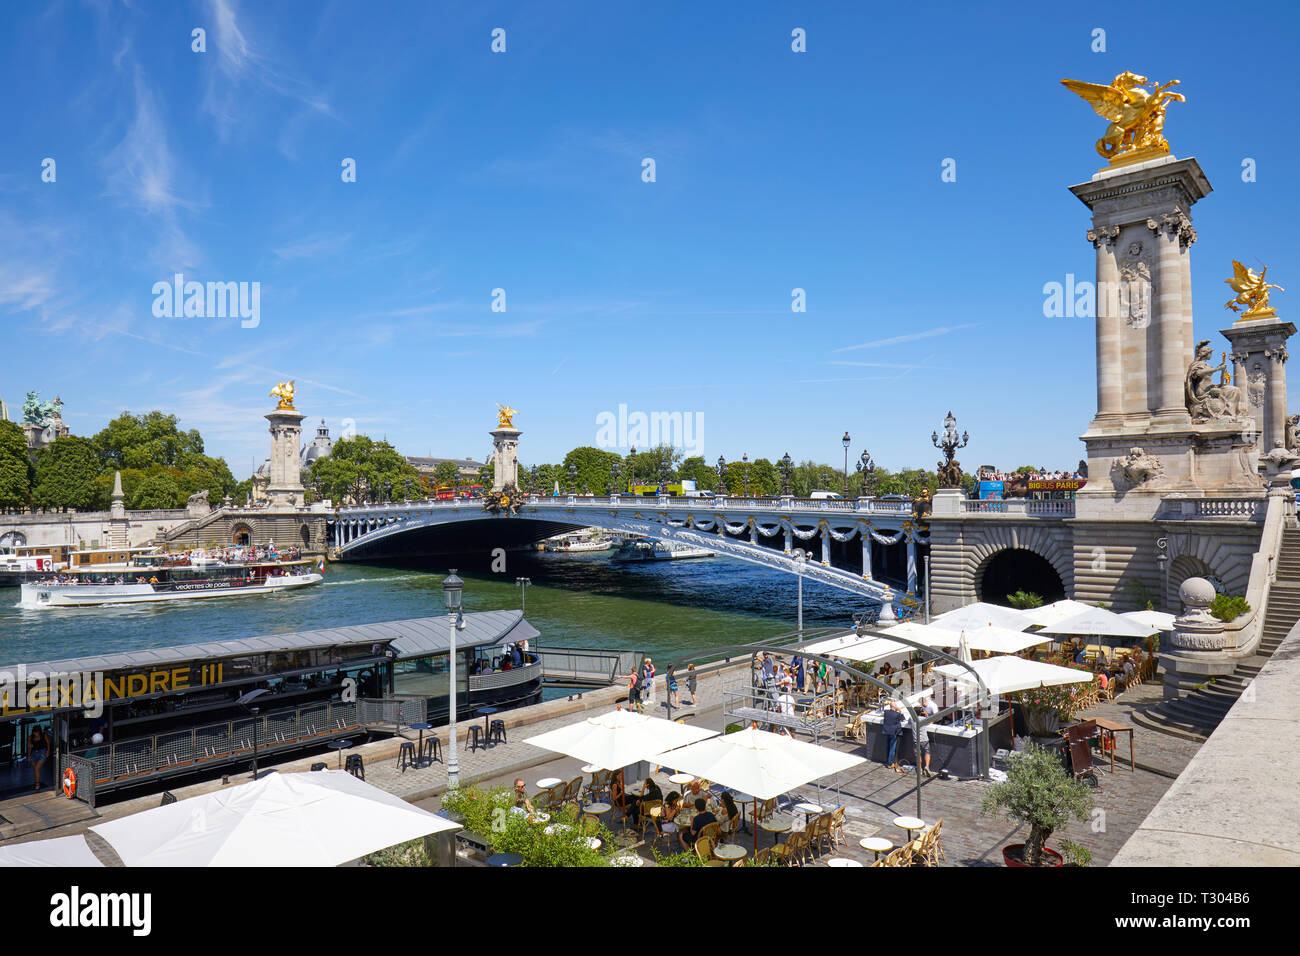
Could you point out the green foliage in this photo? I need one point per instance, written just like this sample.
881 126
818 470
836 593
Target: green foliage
363 469
156 490
1025 600
140 441
1142 595
1075 854
1038 792
684 858
411 853
733 728
696 469
65 474
1228 607
488 814
593 469
446 474
16 471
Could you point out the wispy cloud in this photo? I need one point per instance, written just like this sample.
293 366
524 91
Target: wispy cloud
312 247
905 365
910 337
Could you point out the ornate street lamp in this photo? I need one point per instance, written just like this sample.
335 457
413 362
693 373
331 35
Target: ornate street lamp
950 468
249 703
452 591
573 479
631 467
787 465
532 479
523 584
744 475
665 473
800 559
846 441
614 470
866 468
721 469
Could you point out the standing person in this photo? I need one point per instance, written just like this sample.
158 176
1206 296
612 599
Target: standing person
928 709
38 751
692 681
672 686
892 727
648 676
797 664
634 691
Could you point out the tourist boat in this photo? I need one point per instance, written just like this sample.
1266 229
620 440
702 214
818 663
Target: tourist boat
649 549
578 541
149 576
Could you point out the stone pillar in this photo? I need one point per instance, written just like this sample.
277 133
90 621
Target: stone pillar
866 552
826 546
789 541
505 457
119 529
1109 363
1259 357
1168 401
284 489
1197 643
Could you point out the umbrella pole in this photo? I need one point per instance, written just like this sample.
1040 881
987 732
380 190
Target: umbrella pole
755 825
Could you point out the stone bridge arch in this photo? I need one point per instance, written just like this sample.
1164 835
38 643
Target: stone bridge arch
996 545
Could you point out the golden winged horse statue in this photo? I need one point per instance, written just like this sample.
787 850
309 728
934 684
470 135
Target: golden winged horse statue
1136 114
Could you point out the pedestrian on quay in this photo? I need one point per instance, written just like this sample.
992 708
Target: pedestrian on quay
892 727
634 690
648 676
672 686
692 681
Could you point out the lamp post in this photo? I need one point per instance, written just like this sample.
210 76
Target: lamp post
866 467
665 475
787 464
800 558
721 469
614 470
523 592
631 467
247 703
744 475
452 588
846 441
573 479
1162 563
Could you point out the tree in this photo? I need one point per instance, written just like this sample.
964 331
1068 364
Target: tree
647 467
446 474
65 474
157 490
764 478
16 472
697 470
594 468
138 441
1039 792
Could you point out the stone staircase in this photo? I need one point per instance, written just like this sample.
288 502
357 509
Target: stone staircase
1194 716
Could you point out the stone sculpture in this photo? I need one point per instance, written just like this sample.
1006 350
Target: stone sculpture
1139 467
1208 401
1136 114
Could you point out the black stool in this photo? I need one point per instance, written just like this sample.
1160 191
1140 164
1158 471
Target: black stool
320 766
168 797
473 740
405 756
432 750
355 766
498 731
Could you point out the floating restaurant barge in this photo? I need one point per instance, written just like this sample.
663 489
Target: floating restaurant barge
134 718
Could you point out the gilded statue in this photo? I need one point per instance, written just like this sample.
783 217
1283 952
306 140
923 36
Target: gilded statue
1207 400
505 417
1252 292
1136 114
284 392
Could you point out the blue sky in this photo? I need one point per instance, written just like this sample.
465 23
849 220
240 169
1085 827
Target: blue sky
523 171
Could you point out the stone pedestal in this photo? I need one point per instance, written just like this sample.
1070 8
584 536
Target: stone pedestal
119 526
505 457
1197 642
1259 363
284 486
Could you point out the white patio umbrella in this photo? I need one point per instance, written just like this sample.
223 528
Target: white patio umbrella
61 851
759 763
1153 620
1006 674
1097 621
1001 640
325 818
979 614
932 635
615 739
1056 611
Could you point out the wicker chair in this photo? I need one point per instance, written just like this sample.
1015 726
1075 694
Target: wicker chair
795 848
819 833
650 812
599 785
933 845
837 828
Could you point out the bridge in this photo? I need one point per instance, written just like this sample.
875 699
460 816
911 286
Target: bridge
763 531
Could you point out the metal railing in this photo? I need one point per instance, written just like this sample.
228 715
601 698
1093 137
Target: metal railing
212 744
1048 507
587 665
516 675
398 511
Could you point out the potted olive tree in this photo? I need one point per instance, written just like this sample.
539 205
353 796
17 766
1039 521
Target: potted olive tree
1037 791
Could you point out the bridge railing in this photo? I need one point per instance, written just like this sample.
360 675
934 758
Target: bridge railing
721 502
1199 509
1047 508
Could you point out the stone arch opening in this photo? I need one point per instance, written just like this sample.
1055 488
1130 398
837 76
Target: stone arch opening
1018 569
304 533
241 535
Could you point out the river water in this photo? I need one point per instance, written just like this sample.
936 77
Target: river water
576 600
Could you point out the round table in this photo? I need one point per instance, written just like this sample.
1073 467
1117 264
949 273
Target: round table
776 826
681 779
419 747
876 845
810 810
731 852
909 824
596 809
842 861
340 746
505 859
592 768
487 713
547 782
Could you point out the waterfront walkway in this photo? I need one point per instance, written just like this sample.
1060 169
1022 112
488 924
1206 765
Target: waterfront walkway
873 795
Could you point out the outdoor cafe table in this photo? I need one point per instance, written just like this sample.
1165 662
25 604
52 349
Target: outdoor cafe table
680 779
842 861
731 852
340 746
776 826
909 824
487 713
596 809
419 747
876 845
1110 728
547 782
809 810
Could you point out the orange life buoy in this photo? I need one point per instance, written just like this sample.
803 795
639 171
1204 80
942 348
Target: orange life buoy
69 783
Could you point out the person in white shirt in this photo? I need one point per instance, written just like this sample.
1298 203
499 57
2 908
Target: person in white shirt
928 709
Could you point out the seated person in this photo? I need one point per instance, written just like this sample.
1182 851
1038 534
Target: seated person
521 796
516 656
650 792
702 819
1103 681
618 797
668 818
730 813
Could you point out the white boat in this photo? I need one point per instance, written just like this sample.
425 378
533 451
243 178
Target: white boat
155 577
649 549
578 541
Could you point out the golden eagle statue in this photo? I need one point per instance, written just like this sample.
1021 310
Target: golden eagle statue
1136 114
